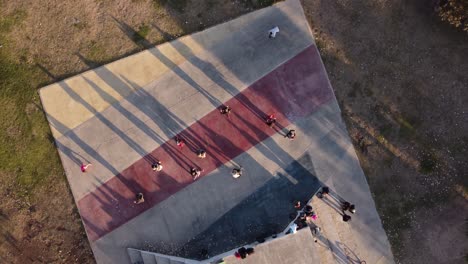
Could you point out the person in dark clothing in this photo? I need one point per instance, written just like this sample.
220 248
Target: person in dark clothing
201 154
346 217
316 233
345 206
195 173
157 166
297 204
226 110
271 120
242 252
139 198
302 216
236 172
325 190
291 134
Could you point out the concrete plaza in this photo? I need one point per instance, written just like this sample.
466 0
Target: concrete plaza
124 116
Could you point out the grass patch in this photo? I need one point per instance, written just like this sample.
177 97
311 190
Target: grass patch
97 53
257 3
460 146
395 219
386 130
177 5
407 129
80 25
9 21
368 92
26 154
428 162
381 139
210 4
388 161
142 33
356 87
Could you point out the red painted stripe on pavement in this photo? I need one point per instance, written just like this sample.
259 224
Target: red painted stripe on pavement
293 90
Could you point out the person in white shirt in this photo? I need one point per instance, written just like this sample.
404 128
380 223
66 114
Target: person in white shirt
195 173
272 33
236 173
157 166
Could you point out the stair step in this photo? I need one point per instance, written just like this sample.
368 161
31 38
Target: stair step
162 260
149 258
135 256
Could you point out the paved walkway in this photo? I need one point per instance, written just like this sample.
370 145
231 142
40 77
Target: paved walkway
123 116
224 138
293 249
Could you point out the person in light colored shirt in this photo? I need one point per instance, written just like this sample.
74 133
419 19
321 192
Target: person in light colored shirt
272 33
195 173
236 173
157 166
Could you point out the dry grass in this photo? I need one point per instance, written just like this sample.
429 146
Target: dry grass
402 87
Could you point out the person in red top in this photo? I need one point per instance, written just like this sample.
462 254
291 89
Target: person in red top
271 120
180 142
84 167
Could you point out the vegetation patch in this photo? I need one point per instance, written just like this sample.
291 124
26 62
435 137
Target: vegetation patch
407 129
258 3
11 20
355 88
142 33
25 153
455 12
177 5
386 130
428 162
97 53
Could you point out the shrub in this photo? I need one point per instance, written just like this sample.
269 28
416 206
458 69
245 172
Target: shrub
455 12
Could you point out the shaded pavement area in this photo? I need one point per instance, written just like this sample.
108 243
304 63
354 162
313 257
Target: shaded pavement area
262 214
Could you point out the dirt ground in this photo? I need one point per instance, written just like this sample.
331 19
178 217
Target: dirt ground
399 74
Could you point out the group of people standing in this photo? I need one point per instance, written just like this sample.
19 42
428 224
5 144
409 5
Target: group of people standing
157 166
343 205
